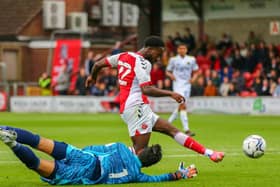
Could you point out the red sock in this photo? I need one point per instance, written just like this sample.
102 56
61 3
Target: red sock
190 143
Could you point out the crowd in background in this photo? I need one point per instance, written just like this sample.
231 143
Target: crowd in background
226 68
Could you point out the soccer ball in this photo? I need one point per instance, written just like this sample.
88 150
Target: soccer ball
254 146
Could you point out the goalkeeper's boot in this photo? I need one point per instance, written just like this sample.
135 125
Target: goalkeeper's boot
217 156
8 137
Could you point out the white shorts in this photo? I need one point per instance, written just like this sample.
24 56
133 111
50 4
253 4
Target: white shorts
184 91
140 119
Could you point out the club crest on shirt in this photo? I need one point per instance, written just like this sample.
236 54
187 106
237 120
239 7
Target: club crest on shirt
144 126
188 63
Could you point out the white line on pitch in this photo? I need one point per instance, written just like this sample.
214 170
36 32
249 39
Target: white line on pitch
227 154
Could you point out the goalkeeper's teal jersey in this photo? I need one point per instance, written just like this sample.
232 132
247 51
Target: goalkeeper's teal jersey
106 164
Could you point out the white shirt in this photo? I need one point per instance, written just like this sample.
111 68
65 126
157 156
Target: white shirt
182 68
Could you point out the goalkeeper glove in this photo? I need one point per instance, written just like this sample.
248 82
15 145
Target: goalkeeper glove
185 173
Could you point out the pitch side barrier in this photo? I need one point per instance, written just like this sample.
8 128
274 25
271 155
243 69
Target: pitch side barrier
90 104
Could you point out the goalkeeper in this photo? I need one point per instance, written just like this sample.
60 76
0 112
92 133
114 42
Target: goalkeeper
104 164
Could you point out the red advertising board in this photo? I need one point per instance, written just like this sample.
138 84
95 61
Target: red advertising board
3 101
66 52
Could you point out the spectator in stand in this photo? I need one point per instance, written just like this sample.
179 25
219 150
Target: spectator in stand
45 84
273 75
274 65
273 86
263 54
167 84
109 78
215 79
238 60
177 39
252 38
238 81
244 49
276 92
221 59
226 72
89 62
63 81
207 75
203 44
189 40
250 62
265 91
169 44
99 89
215 62
225 42
198 88
224 88
165 58
232 90
157 75
80 83
272 49
257 85
210 89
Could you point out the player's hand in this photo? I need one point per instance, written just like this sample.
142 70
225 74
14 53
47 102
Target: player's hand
172 77
177 97
188 172
89 81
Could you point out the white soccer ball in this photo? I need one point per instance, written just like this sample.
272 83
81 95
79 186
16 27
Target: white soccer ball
254 146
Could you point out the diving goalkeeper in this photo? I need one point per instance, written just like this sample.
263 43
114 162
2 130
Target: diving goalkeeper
104 164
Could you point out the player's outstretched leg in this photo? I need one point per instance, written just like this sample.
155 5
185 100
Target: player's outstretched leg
26 155
54 148
164 127
24 136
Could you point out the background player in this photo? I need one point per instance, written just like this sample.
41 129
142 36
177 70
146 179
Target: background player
107 164
135 84
179 70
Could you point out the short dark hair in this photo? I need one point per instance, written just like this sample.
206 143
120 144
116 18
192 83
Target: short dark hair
153 41
150 155
182 44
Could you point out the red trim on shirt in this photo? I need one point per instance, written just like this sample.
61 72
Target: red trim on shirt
108 63
139 54
137 133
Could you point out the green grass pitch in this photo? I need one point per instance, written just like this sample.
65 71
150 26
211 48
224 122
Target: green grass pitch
221 132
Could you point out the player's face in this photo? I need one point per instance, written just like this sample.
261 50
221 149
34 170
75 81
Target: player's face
154 53
182 50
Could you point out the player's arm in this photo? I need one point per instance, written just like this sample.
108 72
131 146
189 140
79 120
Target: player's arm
111 61
182 173
195 69
170 75
194 76
169 70
155 178
91 79
150 90
160 178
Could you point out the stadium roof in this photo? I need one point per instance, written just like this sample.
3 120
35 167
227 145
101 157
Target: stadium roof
16 14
